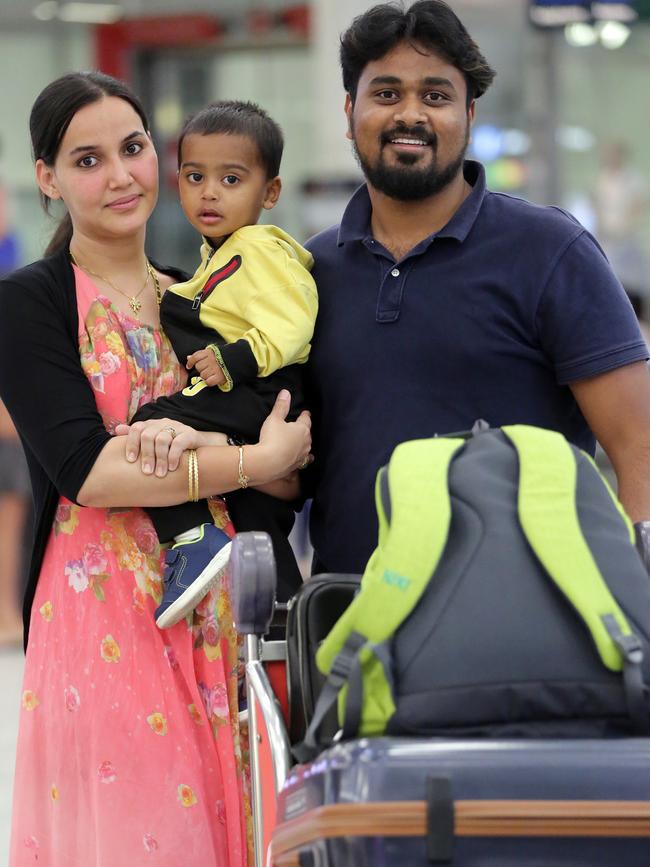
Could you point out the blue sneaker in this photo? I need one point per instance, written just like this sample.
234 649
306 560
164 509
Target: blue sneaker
191 569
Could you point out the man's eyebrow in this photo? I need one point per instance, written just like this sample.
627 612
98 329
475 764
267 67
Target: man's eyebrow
138 133
429 81
438 81
384 79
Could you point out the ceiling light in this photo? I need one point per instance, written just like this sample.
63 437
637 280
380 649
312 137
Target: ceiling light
580 35
613 34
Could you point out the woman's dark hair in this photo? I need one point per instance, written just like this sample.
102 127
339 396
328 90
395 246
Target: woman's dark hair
429 24
231 117
51 115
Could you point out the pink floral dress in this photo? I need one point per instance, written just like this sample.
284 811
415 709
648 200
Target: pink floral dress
129 749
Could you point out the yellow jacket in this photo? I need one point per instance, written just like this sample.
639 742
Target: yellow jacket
256 287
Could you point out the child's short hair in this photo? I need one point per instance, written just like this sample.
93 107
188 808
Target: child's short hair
239 118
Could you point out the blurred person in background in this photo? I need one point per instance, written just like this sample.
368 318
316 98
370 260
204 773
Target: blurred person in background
14 499
14 481
441 302
9 245
622 197
129 740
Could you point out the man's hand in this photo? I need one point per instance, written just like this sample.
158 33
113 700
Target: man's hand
207 366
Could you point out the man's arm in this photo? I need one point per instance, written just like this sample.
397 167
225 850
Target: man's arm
616 406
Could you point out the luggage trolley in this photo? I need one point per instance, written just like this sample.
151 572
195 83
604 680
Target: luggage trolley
415 801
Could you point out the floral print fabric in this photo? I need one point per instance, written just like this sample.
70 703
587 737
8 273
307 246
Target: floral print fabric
129 745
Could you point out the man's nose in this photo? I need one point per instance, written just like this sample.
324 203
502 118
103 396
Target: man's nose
410 112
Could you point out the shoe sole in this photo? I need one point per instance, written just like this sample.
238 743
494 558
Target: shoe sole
189 599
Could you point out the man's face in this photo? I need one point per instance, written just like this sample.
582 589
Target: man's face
409 123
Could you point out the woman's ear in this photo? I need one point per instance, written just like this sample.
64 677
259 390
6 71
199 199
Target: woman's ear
273 190
46 180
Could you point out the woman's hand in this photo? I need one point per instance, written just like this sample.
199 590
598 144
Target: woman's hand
286 446
159 443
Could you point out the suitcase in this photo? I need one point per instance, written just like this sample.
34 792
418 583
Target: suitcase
478 803
313 611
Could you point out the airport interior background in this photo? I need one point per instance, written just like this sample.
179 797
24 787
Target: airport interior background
567 122
564 99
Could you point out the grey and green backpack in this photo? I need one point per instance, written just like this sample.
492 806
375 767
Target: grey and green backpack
505 597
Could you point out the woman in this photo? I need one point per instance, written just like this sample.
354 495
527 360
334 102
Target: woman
128 749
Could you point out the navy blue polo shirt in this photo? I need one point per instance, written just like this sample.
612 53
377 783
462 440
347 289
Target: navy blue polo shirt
491 317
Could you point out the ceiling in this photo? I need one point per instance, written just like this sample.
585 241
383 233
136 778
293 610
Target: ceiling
18 13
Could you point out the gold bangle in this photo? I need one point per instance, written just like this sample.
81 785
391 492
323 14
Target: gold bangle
242 479
192 476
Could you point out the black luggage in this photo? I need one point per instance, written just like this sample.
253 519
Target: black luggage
312 612
482 803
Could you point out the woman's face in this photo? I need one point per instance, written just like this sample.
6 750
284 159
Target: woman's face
106 171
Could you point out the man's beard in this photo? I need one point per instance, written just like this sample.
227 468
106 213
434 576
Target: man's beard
407 182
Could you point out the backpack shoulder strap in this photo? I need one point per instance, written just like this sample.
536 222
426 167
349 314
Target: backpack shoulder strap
414 510
549 518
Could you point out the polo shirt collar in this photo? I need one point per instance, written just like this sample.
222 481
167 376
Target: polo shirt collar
355 223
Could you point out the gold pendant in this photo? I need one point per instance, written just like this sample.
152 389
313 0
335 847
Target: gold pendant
135 305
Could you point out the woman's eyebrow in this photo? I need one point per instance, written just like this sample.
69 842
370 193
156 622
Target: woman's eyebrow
138 133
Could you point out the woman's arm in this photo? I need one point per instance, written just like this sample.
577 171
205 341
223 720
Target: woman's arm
42 384
53 407
283 447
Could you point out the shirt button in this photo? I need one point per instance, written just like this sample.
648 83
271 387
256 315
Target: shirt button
395 272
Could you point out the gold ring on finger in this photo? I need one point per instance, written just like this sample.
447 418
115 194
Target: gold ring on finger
172 431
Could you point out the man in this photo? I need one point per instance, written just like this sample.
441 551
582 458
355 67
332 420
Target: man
442 302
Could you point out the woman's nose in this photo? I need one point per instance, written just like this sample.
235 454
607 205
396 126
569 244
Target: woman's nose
120 174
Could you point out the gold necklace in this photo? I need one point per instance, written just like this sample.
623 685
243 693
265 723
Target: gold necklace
134 303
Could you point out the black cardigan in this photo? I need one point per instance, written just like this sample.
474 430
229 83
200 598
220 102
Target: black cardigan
43 386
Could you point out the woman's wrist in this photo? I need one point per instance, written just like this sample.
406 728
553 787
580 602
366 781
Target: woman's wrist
257 465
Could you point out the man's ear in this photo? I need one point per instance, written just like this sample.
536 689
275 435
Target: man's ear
46 180
348 113
273 190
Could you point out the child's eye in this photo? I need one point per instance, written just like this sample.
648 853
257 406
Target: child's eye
133 148
88 162
194 177
231 180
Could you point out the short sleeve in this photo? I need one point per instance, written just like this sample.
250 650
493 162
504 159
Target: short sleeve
584 319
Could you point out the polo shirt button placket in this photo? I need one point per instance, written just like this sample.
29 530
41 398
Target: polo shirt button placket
390 295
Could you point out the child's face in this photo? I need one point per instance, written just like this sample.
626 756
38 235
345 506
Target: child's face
222 184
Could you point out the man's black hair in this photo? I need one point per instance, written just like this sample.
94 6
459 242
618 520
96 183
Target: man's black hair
232 117
428 24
